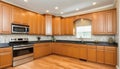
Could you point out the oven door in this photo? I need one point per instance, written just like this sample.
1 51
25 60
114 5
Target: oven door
21 52
20 29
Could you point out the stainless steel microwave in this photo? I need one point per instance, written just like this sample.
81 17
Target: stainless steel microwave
20 29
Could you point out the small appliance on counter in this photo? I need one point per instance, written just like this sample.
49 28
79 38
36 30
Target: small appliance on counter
22 50
110 40
38 38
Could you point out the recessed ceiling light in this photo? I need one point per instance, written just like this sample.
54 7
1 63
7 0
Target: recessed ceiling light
25 0
77 9
47 11
56 7
94 3
61 12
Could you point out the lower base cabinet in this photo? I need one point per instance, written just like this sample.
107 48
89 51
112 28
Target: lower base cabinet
42 49
111 55
99 54
5 57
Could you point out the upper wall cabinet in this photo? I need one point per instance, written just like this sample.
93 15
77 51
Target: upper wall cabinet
104 22
41 24
32 22
19 16
56 26
48 23
67 26
5 18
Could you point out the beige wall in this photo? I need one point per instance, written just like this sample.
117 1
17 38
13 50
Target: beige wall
118 34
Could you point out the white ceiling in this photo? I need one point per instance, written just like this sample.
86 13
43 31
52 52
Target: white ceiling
66 6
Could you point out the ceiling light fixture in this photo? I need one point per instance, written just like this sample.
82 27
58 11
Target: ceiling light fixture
61 12
56 8
47 11
77 9
25 0
94 3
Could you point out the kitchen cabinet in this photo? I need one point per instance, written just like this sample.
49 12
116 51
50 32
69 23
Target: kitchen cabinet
100 54
104 22
41 24
5 53
67 26
48 24
32 23
56 26
5 18
73 50
111 55
91 53
19 16
42 49
83 52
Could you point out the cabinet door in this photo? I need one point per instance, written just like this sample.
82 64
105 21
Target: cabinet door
3 61
99 23
100 54
16 15
1 18
111 22
70 26
41 50
32 22
7 14
56 26
91 53
83 52
111 57
24 16
73 51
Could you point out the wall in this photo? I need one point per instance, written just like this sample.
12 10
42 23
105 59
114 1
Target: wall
93 38
118 31
7 38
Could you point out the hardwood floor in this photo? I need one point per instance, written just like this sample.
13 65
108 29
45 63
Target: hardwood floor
61 62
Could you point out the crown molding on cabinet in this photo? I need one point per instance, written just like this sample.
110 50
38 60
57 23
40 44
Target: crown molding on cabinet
111 6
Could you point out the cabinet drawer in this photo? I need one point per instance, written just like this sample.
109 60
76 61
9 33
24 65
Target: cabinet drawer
92 47
8 49
110 48
100 47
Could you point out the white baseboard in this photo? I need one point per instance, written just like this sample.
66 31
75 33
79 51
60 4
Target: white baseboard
117 67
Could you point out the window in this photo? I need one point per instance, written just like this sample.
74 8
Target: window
83 28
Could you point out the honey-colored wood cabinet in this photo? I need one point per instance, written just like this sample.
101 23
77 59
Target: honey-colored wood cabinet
6 14
5 57
32 23
100 54
40 25
42 49
56 26
111 55
91 53
67 26
83 52
104 22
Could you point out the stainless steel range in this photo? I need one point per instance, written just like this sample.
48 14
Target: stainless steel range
22 51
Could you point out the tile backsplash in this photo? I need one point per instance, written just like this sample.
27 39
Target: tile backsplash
93 38
7 38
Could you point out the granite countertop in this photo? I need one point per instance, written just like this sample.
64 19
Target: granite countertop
2 45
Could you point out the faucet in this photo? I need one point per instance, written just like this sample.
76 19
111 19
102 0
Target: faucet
82 40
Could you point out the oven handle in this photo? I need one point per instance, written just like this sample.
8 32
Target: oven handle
20 48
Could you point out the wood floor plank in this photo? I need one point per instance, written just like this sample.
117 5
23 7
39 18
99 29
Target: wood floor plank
61 62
